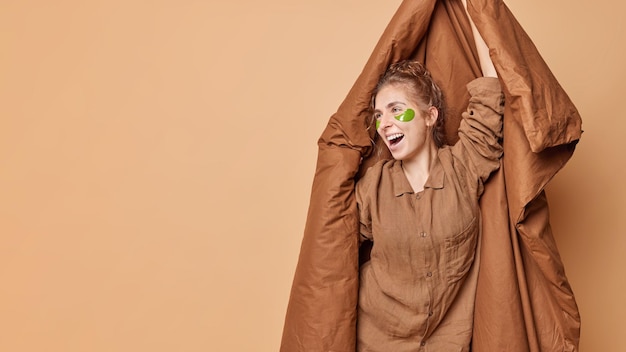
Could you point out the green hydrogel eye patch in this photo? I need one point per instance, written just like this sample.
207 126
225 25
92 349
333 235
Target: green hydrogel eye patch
406 116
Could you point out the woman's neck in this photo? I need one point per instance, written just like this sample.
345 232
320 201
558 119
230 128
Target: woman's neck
417 169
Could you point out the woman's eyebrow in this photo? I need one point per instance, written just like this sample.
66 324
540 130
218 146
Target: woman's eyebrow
390 105
394 103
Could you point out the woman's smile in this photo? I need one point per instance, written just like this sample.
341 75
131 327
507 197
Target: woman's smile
395 138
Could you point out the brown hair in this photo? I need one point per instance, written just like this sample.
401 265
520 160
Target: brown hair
427 93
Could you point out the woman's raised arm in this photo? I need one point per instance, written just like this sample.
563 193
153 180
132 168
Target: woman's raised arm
486 64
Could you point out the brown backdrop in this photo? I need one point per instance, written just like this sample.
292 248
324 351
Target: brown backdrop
156 159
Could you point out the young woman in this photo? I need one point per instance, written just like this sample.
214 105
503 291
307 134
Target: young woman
421 212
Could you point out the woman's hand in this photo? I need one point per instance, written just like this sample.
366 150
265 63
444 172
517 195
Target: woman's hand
486 64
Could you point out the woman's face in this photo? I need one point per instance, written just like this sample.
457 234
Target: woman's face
406 138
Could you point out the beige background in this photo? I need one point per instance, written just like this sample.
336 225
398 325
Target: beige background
156 159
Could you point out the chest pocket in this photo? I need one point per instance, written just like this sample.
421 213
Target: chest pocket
460 252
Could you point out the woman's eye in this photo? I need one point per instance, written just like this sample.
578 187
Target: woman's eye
396 110
377 116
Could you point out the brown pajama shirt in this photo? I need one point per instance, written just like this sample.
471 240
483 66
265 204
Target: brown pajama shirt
417 291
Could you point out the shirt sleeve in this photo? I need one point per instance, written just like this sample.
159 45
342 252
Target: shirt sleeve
480 131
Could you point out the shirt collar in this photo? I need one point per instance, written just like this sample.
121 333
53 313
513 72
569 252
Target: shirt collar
401 184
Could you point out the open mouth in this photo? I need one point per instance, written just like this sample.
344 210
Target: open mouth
395 138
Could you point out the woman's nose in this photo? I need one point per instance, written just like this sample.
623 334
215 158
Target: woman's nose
384 121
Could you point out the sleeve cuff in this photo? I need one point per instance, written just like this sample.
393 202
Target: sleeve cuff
488 91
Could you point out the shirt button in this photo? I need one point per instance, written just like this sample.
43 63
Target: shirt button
423 234
423 343
429 274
